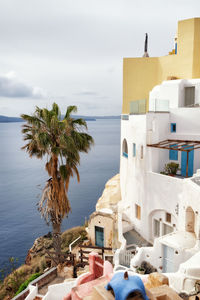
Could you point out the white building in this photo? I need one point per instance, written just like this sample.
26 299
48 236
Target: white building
164 209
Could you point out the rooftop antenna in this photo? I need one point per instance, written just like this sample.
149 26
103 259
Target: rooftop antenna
146 46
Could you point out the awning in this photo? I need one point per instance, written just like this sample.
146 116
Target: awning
178 145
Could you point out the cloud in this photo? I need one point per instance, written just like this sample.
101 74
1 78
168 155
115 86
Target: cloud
13 87
86 93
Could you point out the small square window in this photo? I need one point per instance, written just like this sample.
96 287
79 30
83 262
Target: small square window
173 127
168 217
134 149
138 212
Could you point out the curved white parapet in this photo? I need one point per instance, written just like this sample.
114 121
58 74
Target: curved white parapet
188 274
121 239
33 291
59 291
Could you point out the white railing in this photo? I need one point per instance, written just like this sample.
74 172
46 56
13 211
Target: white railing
125 257
70 245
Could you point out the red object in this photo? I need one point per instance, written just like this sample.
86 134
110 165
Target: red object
97 268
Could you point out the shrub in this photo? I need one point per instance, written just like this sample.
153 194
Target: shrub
24 285
171 168
43 265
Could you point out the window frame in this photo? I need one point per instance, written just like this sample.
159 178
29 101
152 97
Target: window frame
125 148
173 127
138 211
168 217
156 231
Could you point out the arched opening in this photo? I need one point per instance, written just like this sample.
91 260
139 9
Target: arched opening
189 220
125 148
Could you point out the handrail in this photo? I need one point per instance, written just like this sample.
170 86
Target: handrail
94 247
70 245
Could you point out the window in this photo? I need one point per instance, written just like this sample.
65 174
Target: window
167 229
173 127
142 152
189 96
168 217
134 149
156 226
138 212
125 148
173 154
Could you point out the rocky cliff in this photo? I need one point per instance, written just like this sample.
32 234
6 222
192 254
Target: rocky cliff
111 194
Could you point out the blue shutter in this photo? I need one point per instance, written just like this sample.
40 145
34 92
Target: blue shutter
173 154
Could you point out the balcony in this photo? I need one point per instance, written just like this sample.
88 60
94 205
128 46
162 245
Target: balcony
187 149
138 107
158 105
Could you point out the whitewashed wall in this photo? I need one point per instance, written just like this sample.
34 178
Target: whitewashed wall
174 91
140 178
132 169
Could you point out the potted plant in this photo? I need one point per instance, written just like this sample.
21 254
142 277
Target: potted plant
140 270
171 168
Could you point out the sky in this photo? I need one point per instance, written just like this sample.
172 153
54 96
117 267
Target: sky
71 51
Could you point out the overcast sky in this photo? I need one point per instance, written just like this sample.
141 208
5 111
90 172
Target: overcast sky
71 51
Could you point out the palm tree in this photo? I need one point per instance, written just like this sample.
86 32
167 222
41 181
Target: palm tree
60 141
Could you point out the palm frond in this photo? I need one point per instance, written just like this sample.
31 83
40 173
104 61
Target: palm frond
70 109
61 141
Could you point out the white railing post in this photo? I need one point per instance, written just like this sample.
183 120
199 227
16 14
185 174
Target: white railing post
70 245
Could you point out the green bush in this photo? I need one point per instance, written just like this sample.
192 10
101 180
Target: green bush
24 285
171 168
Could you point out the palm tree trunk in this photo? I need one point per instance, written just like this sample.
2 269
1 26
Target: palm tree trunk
57 240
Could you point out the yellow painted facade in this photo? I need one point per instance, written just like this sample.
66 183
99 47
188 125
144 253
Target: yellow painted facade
140 75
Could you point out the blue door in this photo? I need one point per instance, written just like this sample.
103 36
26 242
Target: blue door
173 154
184 161
99 236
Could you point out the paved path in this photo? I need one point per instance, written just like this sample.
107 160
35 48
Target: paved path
133 237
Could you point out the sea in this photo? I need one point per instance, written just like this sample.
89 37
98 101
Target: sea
22 179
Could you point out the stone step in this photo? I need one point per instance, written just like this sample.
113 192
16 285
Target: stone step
85 289
100 293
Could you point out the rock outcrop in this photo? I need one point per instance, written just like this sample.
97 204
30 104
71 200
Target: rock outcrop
38 249
111 194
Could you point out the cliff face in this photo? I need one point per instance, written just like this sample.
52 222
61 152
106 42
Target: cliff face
111 194
39 248
106 215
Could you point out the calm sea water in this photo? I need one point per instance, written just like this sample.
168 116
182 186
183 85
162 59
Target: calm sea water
22 178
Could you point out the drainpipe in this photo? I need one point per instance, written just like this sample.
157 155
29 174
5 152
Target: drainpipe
70 245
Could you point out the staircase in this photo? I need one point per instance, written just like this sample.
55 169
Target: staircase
86 289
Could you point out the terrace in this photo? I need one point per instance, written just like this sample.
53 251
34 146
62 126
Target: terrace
186 147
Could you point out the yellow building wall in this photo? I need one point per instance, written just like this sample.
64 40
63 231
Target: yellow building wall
140 75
